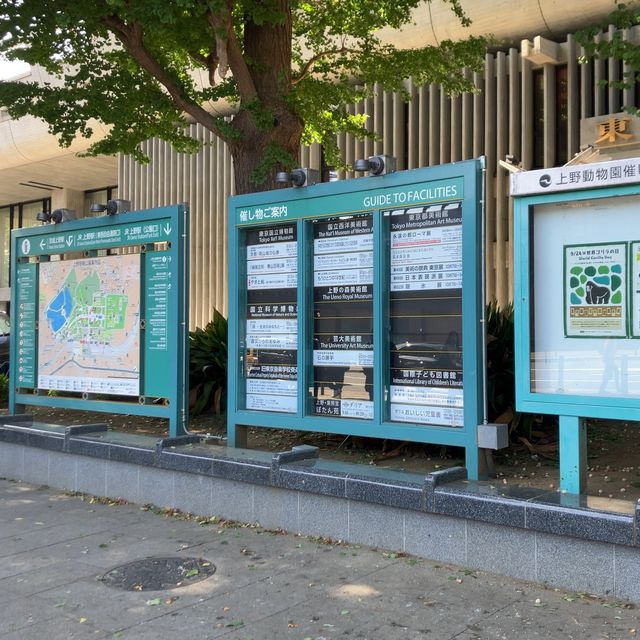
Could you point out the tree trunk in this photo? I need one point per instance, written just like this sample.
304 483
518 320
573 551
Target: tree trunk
269 131
257 146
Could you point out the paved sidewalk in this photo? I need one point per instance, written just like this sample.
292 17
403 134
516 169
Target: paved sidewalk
267 586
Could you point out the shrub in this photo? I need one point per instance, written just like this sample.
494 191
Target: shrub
208 355
4 388
501 378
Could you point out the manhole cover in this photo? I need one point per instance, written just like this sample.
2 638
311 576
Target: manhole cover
156 574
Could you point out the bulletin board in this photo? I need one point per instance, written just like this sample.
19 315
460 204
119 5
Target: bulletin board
352 304
577 290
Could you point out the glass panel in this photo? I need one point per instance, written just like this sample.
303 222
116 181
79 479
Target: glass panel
585 292
272 327
5 239
343 317
426 315
29 212
538 118
5 325
562 114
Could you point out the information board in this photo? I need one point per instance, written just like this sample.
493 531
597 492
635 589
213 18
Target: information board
577 300
350 304
101 315
343 317
27 286
426 314
271 319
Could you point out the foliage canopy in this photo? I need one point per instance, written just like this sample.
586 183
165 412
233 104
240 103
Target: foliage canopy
287 68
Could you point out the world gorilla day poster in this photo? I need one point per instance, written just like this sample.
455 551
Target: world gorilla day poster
595 290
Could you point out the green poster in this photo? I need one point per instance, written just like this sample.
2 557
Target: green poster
595 290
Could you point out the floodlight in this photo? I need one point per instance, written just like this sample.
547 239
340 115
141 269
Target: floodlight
298 177
118 206
43 216
62 215
376 165
112 207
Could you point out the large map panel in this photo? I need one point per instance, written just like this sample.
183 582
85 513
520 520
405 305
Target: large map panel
89 325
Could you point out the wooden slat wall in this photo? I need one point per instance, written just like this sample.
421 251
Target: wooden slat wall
204 180
432 129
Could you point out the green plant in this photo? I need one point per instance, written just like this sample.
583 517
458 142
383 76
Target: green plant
501 379
500 359
4 388
208 354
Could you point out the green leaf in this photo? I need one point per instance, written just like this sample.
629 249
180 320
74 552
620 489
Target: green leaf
154 602
234 624
191 573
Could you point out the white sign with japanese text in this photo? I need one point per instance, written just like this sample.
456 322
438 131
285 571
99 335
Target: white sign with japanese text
585 176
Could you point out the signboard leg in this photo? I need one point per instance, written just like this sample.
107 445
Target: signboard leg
177 427
238 436
475 470
573 454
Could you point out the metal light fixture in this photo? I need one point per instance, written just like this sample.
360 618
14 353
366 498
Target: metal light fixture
376 165
112 207
56 216
62 215
298 177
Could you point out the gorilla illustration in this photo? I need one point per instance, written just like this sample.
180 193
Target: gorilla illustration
597 294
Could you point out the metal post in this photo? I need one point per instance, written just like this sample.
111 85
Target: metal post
573 454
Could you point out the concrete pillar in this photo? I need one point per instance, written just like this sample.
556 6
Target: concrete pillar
69 199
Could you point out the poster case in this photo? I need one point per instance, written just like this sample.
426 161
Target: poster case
577 298
99 315
355 307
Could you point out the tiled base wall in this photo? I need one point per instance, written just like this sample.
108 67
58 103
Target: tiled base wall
569 563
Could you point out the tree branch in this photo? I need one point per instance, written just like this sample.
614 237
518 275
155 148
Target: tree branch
306 70
221 22
131 38
209 62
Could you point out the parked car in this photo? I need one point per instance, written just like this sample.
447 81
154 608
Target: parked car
5 330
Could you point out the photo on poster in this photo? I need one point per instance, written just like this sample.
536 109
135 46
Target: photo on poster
595 290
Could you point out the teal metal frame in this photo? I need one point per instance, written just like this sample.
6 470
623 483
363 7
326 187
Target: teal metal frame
164 372
296 206
571 409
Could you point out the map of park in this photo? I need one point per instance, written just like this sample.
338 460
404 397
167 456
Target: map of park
89 337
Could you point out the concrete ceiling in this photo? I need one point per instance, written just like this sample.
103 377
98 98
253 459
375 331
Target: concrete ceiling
507 20
63 171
